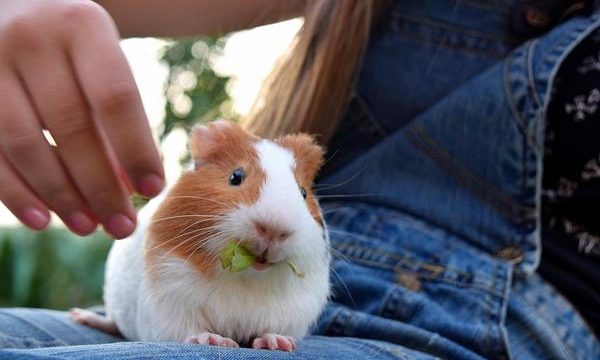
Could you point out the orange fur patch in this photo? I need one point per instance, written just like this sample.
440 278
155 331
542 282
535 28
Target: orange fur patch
218 150
309 158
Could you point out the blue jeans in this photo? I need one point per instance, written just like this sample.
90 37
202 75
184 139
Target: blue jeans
403 289
435 252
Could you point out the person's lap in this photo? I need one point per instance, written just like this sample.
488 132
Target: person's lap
387 304
38 333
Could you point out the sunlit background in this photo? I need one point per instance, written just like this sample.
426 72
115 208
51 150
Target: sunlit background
182 82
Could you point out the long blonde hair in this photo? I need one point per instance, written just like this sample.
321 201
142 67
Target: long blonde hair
310 87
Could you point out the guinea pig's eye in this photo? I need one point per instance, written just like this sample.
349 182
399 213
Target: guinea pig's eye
303 192
237 177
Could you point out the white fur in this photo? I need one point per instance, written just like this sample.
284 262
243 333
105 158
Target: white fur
181 302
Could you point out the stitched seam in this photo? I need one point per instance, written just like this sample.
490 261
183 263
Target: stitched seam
487 5
469 50
543 316
351 211
531 82
464 172
451 28
506 206
517 115
383 211
376 264
409 262
495 326
374 123
487 339
504 310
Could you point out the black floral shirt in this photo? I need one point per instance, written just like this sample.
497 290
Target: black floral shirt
571 196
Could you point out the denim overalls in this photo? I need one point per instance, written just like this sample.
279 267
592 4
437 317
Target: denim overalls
432 197
438 165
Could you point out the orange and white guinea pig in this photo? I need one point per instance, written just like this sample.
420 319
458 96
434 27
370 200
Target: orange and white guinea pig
166 282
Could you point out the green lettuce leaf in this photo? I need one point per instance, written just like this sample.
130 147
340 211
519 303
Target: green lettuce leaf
235 257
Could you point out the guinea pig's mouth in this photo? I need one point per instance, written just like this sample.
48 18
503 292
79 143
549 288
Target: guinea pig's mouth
261 263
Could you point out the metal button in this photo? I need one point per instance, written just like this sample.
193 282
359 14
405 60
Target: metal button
512 254
409 281
537 18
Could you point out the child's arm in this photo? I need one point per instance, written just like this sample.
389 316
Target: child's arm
191 17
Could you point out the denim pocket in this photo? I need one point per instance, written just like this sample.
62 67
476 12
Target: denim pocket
400 280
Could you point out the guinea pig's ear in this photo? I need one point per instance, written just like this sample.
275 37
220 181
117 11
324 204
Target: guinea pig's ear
308 154
209 141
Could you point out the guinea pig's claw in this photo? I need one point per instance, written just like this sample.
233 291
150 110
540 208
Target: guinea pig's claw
274 342
207 338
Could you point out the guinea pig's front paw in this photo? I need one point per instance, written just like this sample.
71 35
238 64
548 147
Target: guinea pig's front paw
274 342
207 338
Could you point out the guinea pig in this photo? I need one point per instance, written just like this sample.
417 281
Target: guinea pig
166 282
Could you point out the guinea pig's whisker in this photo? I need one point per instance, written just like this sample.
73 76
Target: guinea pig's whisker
204 231
213 235
198 231
186 216
331 157
339 254
193 224
184 242
200 245
332 209
195 249
339 278
199 198
348 234
340 196
162 243
322 187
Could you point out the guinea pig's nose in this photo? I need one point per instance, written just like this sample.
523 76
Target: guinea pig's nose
270 232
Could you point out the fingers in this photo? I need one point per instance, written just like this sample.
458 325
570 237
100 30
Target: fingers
114 98
21 201
26 150
65 72
54 91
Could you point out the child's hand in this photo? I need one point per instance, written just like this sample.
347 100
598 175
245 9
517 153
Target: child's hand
61 69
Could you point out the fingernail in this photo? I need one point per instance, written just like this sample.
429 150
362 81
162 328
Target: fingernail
120 226
36 218
151 185
81 223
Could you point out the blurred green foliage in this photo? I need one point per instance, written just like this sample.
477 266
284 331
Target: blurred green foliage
195 92
52 269
56 269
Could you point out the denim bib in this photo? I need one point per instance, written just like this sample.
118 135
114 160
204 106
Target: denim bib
433 186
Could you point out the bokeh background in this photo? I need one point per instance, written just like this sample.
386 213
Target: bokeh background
183 82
